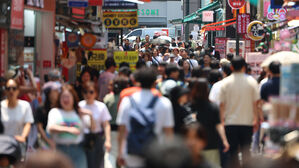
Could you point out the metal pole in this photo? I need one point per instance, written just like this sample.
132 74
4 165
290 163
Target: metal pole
237 37
121 37
214 32
187 24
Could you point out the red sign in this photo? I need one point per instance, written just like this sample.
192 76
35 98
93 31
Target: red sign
236 4
220 45
242 21
3 46
46 64
95 2
17 14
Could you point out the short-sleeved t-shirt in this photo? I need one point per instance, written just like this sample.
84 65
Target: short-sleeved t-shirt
41 116
14 119
100 114
163 112
239 92
207 115
65 118
270 88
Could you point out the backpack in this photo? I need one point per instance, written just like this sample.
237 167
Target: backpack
142 123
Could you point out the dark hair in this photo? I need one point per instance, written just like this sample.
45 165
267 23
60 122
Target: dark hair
69 88
226 69
86 69
230 56
125 70
146 77
191 36
238 63
110 63
171 68
163 64
47 159
140 64
191 55
197 72
89 85
214 64
119 84
274 67
206 72
214 76
124 64
199 90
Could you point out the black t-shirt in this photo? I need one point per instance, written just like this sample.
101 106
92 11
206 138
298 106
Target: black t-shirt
180 115
208 116
41 116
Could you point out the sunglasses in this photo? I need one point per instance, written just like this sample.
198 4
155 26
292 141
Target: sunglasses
11 88
90 92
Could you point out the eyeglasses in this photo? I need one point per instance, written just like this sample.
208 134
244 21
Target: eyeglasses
90 92
11 88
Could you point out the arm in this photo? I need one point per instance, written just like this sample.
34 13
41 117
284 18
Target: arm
221 132
255 114
64 129
29 89
107 128
25 133
222 111
122 131
83 112
44 136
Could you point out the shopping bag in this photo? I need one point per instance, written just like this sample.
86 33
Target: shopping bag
109 161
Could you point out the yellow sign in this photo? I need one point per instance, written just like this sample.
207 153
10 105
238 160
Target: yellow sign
120 19
130 57
96 58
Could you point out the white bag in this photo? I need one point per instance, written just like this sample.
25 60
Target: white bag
109 161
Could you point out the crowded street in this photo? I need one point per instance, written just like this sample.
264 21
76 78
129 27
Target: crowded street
149 84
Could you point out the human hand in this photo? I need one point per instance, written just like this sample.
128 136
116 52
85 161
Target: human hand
74 130
52 144
85 112
107 146
226 146
120 160
20 138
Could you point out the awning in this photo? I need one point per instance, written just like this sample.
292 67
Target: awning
196 16
176 21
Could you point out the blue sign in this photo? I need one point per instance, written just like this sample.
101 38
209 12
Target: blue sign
78 3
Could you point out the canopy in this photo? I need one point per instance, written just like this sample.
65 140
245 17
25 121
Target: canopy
195 17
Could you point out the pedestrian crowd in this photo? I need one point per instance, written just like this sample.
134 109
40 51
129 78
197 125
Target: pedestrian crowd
182 107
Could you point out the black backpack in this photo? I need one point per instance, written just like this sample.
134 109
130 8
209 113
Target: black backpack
142 123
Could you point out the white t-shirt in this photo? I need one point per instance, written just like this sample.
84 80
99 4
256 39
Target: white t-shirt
193 63
214 93
164 118
65 118
15 119
100 114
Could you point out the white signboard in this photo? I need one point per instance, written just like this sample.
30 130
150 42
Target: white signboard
231 47
208 16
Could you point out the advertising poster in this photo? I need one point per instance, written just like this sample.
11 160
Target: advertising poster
220 45
120 19
231 47
17 14
255 59
96 58
130 57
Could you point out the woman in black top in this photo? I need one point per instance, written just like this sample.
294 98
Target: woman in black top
207 114
51 92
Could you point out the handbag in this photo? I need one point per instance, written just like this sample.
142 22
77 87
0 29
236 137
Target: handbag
89 140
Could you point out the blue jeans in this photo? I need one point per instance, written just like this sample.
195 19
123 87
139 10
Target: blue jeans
75 153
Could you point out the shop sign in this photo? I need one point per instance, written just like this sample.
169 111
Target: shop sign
95 2
148 12
120 19
3 48
77 3
274 14
130 57
17 14
255 30
96 58
47 64
220 45
255 59
231 47
242 21
208 16
119 4
72 39
88 40
36 3
236 4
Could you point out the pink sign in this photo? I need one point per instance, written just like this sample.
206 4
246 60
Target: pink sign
243 20
17 14
220 45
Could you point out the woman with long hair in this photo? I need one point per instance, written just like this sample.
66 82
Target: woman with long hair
66 128
101 133
51 91
207 114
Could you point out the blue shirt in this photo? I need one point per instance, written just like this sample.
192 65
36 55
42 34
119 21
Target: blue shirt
270 88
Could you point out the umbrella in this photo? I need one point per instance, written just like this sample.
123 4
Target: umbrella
284 57
165 38
159 41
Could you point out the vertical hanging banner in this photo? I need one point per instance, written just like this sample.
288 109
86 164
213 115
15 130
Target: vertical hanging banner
17 14
243 20
3 50
77 3
220 45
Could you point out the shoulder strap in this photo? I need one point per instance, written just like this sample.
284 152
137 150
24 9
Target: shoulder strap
153 102
134 105
191 63
156 60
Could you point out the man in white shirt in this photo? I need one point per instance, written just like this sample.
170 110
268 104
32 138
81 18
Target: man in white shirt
162 110
239 96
